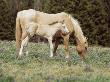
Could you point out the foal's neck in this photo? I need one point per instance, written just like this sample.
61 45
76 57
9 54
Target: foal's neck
56 26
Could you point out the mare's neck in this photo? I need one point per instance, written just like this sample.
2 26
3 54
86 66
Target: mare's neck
79 39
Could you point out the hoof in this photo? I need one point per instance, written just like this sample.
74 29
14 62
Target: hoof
26 53
68 61
67 57
88 69
51 56
19 57
54 54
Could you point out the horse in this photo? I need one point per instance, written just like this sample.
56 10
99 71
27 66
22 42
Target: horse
47 31
25 16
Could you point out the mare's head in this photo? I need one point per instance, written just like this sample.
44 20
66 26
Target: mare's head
82 47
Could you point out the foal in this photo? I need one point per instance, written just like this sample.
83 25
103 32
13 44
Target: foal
47 31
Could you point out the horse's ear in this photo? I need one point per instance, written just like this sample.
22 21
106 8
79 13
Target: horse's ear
86 38
62 21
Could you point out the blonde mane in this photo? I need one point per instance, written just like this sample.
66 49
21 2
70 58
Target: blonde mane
78 31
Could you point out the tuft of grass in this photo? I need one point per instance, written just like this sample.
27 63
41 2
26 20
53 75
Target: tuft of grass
6 79
39 67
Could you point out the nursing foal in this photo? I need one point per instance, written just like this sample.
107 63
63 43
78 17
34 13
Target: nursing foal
47 31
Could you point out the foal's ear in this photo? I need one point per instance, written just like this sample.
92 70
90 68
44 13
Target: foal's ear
62 21
86 38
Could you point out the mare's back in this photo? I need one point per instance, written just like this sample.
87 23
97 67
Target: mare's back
45 18
27 16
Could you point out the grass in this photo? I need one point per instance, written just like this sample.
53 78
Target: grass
38 67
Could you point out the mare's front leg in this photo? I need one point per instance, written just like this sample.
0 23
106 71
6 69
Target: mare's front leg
66 46
51 46
23 44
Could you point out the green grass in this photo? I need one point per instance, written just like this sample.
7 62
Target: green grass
38 67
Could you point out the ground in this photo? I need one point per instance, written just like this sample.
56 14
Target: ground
39 67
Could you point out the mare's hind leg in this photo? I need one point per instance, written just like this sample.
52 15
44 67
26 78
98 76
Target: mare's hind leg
25 49
23 44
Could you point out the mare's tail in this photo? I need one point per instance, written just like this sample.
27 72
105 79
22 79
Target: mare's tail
18 34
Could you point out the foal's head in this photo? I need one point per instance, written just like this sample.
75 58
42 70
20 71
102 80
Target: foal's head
63 28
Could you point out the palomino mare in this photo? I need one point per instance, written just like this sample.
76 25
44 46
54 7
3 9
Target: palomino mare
47 31
25 16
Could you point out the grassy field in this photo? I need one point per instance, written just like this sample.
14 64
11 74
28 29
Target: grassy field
38 67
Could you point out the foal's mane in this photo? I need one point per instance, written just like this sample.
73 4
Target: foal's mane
53 23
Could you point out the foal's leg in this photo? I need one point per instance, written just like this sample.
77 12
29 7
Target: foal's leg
66 44
51 47
23 44
57 41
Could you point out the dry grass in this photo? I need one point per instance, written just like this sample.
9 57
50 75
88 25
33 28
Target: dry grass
38 67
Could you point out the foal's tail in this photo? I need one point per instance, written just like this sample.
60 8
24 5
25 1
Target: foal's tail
18 34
